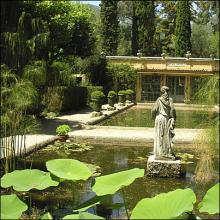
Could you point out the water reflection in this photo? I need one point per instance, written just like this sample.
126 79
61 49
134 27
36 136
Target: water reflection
69 195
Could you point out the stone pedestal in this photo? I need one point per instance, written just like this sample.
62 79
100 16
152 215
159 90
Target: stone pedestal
164 168
96 114
111 108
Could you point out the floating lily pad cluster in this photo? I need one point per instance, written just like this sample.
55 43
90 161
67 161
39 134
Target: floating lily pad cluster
67 148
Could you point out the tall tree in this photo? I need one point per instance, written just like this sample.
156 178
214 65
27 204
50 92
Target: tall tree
183 28
134 32
145 12
109 27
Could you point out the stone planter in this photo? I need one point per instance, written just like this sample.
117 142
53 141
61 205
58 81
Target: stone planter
121 98
111 101
129 98
96 105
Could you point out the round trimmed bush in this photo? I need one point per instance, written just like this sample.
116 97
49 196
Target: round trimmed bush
97 95
112 93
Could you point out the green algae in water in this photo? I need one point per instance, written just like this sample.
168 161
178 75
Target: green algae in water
142 118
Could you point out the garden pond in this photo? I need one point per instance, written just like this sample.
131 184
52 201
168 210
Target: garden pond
140 117
61 200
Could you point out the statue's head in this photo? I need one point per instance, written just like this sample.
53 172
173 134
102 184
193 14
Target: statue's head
165 92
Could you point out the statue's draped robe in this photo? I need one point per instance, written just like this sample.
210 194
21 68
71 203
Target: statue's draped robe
165 116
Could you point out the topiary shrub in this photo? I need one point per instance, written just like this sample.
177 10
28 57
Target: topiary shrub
62 130
129 95
129 92
97 95
97 98
121 97
112 93
112 96
122 93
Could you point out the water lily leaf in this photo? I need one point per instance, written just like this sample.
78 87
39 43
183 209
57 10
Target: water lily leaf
210 202
86 207
165 205
73 216
109 184
25 180
83 215
12 207
47 215
69 169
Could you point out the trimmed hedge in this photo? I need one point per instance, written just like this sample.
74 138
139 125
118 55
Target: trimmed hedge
90 90
63 98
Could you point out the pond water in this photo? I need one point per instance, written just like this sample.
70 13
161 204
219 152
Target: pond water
139 117
63 199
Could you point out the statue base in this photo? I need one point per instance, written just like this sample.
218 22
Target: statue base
164 168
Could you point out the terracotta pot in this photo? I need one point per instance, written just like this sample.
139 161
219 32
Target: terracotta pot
62 138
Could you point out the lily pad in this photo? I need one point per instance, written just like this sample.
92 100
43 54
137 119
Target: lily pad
47 215
109 184
69 169
25 180
210 202
83 215
12 207
165 205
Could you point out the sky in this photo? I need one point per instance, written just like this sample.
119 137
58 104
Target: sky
91 2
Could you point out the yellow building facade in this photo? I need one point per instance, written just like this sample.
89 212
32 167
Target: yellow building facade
181 75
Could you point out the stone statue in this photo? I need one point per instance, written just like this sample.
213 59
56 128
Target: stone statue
165 115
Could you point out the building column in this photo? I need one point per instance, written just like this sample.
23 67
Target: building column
163 79
138 87
187 89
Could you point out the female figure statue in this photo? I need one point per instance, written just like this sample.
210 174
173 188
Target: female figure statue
165 115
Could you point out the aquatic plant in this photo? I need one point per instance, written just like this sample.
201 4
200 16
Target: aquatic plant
12 207
83 215
210 202
109 184
25 180
208 141
69 169
172 205
17 96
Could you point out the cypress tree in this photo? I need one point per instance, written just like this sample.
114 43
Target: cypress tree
145 12
109 26
134 30
183 28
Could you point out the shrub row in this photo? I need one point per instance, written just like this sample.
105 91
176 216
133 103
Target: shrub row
63 98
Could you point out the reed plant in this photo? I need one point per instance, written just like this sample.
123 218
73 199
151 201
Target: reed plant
208 141
17 95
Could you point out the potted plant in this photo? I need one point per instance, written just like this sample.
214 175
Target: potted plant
97 98
129 95
121 97
112 98
62 131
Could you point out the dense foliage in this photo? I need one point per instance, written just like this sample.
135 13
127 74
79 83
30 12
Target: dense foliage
182 29
145 12
110 28
123 76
